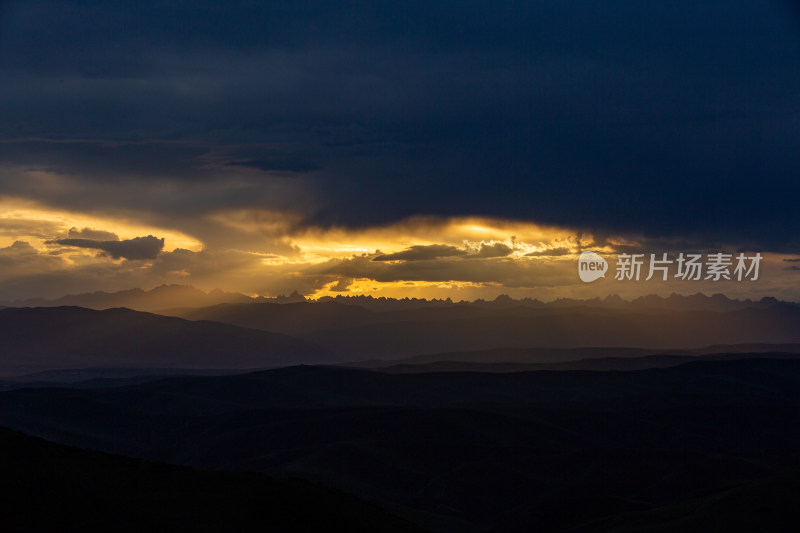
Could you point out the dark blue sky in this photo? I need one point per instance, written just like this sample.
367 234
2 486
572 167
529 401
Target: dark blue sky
676 119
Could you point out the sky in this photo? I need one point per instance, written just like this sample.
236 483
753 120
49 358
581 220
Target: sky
458 149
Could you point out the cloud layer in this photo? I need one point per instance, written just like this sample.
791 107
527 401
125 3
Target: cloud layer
662 118
137 248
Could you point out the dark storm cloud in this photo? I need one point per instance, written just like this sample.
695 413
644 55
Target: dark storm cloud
551 252
93 234
137 248
668 119
421 253
497 249
341 286
99 161
277 164
476 270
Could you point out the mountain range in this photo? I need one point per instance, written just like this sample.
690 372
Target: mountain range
267 335
356 333
173 296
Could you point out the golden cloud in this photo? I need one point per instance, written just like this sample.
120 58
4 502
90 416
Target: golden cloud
31 222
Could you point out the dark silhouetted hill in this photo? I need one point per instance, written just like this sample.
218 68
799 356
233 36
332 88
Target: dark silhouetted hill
40 339
298 318
524 359
161 297
544 451
49 487
572 328
596 364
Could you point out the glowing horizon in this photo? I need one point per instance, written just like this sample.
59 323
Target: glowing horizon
274 253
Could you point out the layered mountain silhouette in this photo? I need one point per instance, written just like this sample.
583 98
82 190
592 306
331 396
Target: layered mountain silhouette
40 339
674 302
361 333
659 449
269 334
182 297
663 414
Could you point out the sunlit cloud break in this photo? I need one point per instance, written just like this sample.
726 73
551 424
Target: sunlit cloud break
51 252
